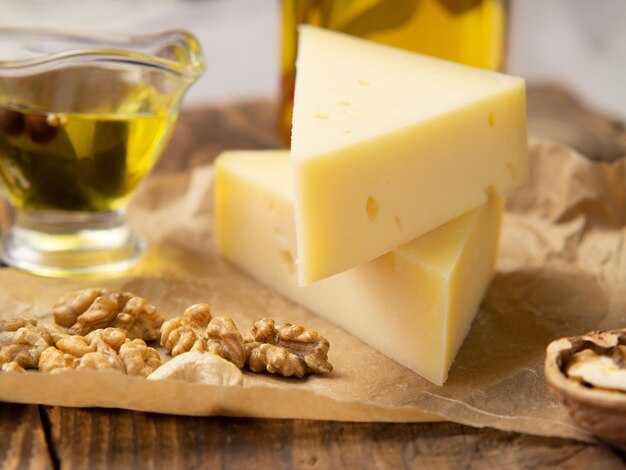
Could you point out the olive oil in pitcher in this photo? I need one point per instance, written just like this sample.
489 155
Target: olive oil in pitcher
76 161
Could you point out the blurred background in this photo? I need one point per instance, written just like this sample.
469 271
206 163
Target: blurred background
579 44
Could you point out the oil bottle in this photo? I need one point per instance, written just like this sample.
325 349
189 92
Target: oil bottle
471 32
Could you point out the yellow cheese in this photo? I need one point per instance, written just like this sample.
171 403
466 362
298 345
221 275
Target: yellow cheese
414 304
388 144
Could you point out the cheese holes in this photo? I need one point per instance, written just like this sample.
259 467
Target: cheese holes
285 255
322 116
363 82
492 119
399 223
512 170
345 104
371 208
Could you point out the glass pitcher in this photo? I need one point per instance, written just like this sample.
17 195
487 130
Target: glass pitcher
83 118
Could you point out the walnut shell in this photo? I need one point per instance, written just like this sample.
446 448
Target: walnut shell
601 411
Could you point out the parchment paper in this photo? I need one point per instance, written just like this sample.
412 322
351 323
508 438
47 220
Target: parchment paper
562 271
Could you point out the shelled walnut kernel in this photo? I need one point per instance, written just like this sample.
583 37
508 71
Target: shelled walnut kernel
199 367
198 330
288 350
22 341
11 367
86 310
108 348
603 371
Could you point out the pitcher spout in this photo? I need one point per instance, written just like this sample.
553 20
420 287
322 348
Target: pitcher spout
104 73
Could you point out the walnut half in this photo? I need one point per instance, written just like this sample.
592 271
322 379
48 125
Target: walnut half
288 350
587 374
86 310
199 367
605 371
21 343
107 348
197 330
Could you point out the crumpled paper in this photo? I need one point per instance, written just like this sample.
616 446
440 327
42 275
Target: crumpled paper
561 272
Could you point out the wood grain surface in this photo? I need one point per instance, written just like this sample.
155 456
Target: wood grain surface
122 439
23 442
52 437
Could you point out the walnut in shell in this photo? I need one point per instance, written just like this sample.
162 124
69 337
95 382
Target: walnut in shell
197 330
90 309
288 350
107 348
605 371
22 341
581 372
199 367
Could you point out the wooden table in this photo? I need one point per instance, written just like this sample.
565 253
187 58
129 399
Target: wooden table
52 437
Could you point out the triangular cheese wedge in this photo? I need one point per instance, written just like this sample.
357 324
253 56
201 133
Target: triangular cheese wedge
414 304
388 145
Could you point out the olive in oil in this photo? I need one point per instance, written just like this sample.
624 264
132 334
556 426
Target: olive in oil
76 162
471 32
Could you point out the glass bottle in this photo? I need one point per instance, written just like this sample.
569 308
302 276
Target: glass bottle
471 32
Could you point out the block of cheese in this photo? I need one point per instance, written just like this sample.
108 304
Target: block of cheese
414 304
389 144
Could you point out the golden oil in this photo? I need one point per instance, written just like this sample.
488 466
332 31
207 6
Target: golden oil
471 32
76 161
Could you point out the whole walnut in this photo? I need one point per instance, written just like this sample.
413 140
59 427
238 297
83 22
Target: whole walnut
90 309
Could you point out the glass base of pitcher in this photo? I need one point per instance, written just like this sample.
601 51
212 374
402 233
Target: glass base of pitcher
71 244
